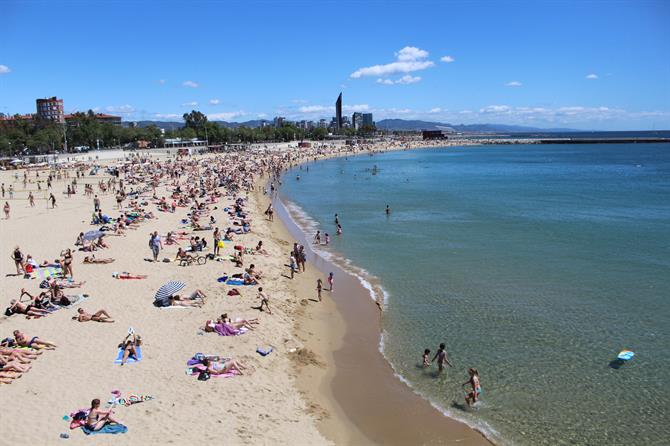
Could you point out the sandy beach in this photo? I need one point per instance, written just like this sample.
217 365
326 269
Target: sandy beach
324 382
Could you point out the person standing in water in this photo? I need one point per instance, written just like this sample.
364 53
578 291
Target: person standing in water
441 357
388 210
337 220
317 238
473 395
330 279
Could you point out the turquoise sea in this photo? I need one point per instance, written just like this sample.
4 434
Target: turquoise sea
536 264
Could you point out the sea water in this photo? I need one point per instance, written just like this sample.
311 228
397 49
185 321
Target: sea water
536 264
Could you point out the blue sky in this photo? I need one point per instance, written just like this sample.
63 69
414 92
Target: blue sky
578 64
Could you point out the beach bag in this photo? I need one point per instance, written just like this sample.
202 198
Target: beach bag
220 243
203 376
239 248
233 292
29 268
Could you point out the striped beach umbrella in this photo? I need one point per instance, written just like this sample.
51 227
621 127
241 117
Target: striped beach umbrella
93 235
168 290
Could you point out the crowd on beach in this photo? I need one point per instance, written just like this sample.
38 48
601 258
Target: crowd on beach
210 197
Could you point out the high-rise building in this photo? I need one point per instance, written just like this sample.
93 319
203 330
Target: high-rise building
357 120
338 111
367 120
323 124
50 109
279 121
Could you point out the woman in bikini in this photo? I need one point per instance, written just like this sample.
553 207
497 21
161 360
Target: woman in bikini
92 260
17 256
17 307
36 343
67 263
128 345
216 368
98 418
476 391
246 323
98 316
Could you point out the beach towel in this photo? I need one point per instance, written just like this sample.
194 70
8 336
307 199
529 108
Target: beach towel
49 272
222 279
235 282
130 359
107 429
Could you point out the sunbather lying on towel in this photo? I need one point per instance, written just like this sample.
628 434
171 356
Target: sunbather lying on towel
93 260
221 368
13 366
21 355
35 342
128 345
98 316
238 323
16 307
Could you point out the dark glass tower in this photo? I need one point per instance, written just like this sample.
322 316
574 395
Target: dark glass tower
338 111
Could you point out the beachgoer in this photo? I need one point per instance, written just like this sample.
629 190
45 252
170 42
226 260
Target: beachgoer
98 418
425 359
441 357
7 209
331 279
292 264
317 238
155 244
319 287
270 211
473 395
35 342
215 368
67 263
265 301
388 210
128 345
98 316
17 256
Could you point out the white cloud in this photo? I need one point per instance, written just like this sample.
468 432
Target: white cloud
316 109
592 76
4 69
120 109
190 84
262 115
411 53
214 101
161 81
225 116
495 109
406 79
300 101
513 84
409 59
356 108
435 110
166 116
189 104
447 59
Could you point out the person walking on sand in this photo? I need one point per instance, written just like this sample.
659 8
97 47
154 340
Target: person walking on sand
331 278
52 199
265 301
96 204
217 239
6 208
292 264
155 244
31 199
442 358
473 395
270 212
319 287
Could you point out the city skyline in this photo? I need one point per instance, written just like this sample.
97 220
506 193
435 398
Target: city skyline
457 64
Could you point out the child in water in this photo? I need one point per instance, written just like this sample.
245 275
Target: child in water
471 397
426 358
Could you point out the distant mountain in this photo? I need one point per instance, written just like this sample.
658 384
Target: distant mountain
417 125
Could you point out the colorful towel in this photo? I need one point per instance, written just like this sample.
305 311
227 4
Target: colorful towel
107 429
130 359
237 282
49 272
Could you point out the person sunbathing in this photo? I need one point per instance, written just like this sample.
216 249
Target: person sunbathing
178 301
253 273
93 260
128 345
61 283
98 418
239 323
7 377
260 250
13 365
170 239
221 368
16 307
98 316
22 355
249 280
35 342
127 275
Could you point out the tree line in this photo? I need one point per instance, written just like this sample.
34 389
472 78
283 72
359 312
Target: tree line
21 136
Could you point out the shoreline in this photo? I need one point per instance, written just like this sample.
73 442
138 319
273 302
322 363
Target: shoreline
363 390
